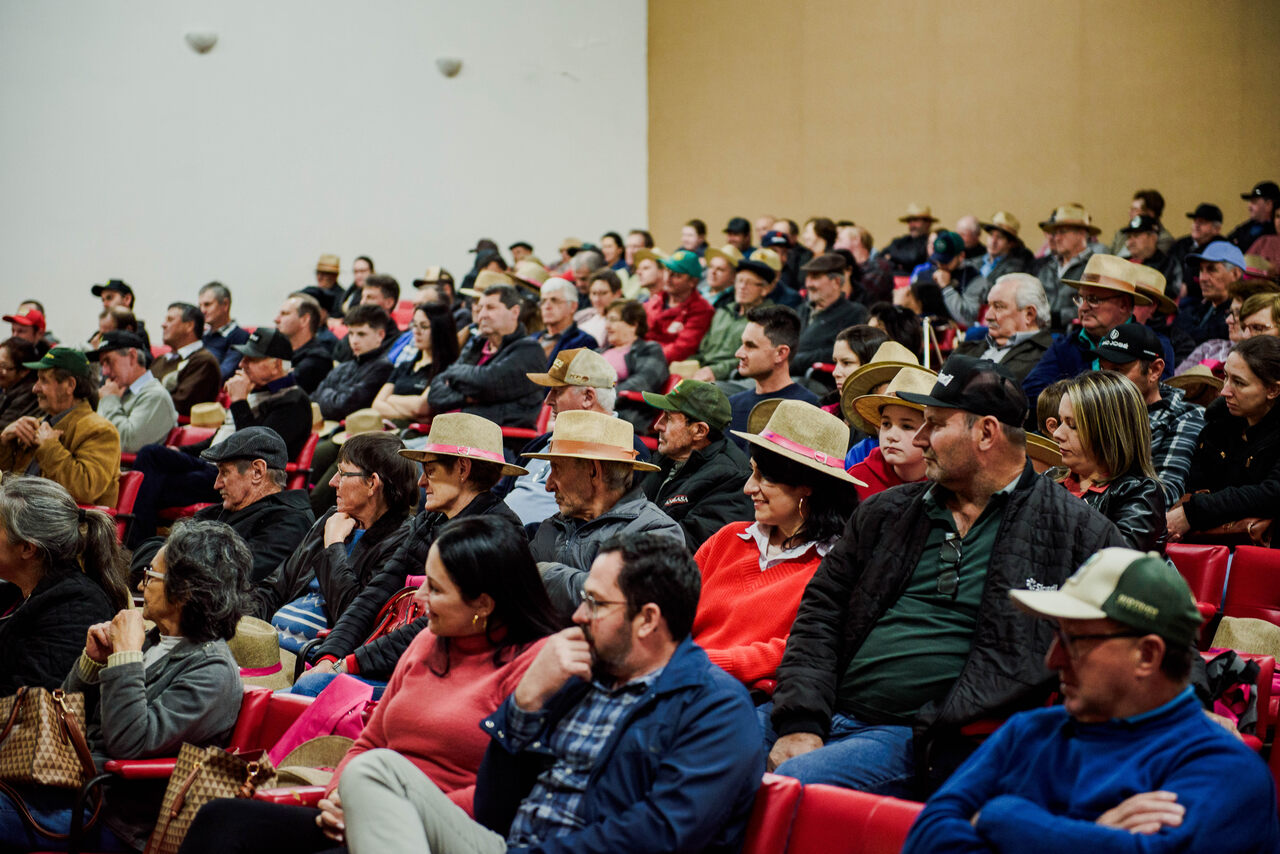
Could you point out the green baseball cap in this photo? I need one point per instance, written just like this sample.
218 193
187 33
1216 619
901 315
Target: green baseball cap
698 400
1140 590
684 261
66 358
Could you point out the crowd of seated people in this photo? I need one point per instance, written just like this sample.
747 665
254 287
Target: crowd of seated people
790 499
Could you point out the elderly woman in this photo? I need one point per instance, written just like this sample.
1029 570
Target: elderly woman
435 347
17 384
640 364
461 461
65 573
148 693
487 614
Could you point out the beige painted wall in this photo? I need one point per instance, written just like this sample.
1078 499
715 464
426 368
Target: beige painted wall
853 109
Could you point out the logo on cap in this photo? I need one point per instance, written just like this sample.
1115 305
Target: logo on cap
1124 600
944 380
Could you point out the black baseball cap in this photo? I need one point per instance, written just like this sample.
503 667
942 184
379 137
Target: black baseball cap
1263 190
521 244
266 343
738 225
118 339
1204 210
250 443
1130 342
1142 223
117 285
484 244
980 386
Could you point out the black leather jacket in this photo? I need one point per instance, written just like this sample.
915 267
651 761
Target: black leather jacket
1135 504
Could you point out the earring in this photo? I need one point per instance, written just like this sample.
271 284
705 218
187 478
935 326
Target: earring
800 506
479 621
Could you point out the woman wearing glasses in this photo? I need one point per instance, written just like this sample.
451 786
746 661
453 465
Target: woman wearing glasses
149 692
487 616
403 398
1104 435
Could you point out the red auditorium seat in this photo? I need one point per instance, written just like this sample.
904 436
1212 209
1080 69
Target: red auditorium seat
770 823
831 820
130 483
1253 587
300 469
1203 567
539 427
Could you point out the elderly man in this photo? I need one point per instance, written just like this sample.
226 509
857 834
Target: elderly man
1017 312
489 377
1135 351
1129 761
220 331
755 276
825 312
1222 265
621 735
71 445
189 372
963 288
911 249
700 472
131 398
1141 235
906 632
251 478
1206 227
583 265
592 468
300 320
679 316
1006 252
1262 199
557 303
116 292
768 340
1070 229
970 231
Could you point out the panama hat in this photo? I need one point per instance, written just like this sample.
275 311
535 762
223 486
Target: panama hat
208 415
1112 273
915 211
657 256
728 252
867 407
460 434
256 649
328 264
1003 221
583 435
360 421
1044 450
1073 215
1151 282
529 275
807 435
890 357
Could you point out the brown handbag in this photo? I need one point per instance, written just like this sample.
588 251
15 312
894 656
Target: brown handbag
1248 531
43 744
202 774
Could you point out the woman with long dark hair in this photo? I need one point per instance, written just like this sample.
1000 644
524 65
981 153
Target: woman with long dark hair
403 398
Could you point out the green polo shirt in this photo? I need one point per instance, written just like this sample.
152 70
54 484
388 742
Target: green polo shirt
918 647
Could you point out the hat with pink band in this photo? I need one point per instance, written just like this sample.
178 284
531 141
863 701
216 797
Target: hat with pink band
459 434
805 434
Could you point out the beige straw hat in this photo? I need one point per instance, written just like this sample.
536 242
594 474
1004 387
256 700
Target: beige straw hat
868 406
488 278
256 649
208 415
728 252
804 434
1197 375
312 763
1111 273
1150 281
360 421
530 275
658 256
1043 450
1071 214
890 357
328 264
460 434
1003 221
583 435
917 211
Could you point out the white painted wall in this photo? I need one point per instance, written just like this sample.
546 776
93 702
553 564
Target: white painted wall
313 126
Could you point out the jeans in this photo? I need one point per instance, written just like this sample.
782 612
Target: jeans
171 478
311 683
869 758
52 808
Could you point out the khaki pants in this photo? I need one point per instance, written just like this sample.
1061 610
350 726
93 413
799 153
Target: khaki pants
389 806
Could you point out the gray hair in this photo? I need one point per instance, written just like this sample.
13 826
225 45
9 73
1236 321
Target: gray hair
968 224
561 288
586 262
606 398
616 476
1028 291
219 291
207 571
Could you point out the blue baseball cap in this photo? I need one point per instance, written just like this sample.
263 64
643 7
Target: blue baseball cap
1222 251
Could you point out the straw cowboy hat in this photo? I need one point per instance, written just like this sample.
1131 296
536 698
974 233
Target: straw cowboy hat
1070 215
1151 282
585 435
460 434
728 252
866 408
657 256
256 649
328 264
804 434
890 357
1197 375
312 763
208 415
529 275
915 211
361 421
1003 221
1044 450
1112 273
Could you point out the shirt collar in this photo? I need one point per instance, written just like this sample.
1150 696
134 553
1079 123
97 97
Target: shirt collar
760 535
636 686
226 330
141 382
1159 710
185 352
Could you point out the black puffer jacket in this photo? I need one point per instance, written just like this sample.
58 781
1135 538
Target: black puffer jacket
353 384
706 494
378 659
1238 464
499 389
1135 505
1043 537
41 638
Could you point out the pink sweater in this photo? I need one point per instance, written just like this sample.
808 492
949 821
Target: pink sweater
745 615
434 721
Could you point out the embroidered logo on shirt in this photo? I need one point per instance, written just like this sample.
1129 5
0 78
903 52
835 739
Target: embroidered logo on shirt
1032 584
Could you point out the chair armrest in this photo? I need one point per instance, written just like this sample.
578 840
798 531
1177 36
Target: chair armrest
519 433
127 459
298 796
142 769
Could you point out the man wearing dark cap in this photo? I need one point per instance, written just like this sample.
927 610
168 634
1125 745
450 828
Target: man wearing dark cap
752 280
738 234
701 473
251 478
906 632
825 313
1262 200
1140 238
679 316
1206 227
131 398
487 258
116 292
71 445
1129 758
964 288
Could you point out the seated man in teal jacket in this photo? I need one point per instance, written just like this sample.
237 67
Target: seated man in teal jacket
1129 761
621 736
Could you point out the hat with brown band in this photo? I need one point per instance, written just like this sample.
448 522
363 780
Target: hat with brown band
584 435
1150 281
916 211
461 434
328 264
434 276
868 406
1071 215
360 421
804 434
1003 221
1112 273
581 367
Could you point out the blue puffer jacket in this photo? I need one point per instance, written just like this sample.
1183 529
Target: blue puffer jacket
680 772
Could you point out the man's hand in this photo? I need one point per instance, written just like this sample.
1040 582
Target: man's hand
97 643
127 631
704 375
325 666
23 431
45 433
790 746
110 388
338 528
1145 812
330 819
566 654
942 277
238 386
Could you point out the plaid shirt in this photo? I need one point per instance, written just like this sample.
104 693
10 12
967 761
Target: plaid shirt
554 805
1175 427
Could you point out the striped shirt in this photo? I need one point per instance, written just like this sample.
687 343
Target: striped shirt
1175 427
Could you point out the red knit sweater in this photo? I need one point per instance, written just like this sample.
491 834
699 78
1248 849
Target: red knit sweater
745 615
434 721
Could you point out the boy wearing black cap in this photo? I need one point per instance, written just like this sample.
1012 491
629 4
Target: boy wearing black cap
131 398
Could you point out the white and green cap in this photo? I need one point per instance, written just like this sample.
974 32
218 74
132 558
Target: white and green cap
1138 589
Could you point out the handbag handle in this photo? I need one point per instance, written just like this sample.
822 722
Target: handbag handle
13 713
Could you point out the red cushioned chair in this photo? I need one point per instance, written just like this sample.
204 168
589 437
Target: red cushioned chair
1203 567
1253 587
539 427
770 823
1266 706
300 469
832 820
130 483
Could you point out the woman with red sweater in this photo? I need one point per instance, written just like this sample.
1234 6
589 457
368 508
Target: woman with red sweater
753 574
488 614
896 460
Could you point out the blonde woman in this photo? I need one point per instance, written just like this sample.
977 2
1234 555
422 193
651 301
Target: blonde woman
1105 439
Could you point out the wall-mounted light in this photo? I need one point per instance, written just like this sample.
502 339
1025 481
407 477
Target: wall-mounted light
201 42
449 65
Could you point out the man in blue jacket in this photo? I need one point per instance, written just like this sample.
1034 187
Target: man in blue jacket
1129 761
621 736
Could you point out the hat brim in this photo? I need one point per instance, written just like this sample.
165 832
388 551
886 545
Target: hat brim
636 464
660 401
1044 451
251 352
1186 381
837 472
1054 604
282 678
862 381
425 456
342 435
547 380
1050 225
869 405
991 226
909 217
1163 303
1139 298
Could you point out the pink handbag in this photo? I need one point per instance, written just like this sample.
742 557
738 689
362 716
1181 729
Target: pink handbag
342 708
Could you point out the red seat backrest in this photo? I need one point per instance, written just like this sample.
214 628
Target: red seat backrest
544 419
188 435
308 451
282 710
890 823
248 723
402 314
831 820
770 823
130 483
1253 587
1204 568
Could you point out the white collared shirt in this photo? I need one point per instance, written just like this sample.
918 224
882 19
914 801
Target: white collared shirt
141 382
760 534
184 353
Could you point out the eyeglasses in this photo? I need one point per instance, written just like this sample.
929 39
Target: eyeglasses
949 566
357 473
1068 641
149 574
1257 328
593 604
1092 300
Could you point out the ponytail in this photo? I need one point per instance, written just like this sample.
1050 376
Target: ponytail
101 556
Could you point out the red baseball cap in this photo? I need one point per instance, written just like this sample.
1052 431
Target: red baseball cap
30 317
